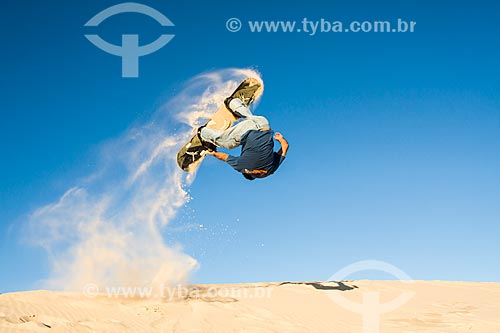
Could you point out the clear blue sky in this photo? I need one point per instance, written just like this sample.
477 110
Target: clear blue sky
394 138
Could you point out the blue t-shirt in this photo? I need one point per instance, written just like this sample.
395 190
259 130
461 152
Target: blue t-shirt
257 153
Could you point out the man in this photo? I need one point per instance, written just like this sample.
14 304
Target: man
258 158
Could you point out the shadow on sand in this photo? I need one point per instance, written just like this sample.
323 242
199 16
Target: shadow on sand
325 285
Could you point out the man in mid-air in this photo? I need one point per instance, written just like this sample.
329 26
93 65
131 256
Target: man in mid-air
258 158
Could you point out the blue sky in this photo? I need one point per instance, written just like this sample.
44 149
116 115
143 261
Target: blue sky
394 137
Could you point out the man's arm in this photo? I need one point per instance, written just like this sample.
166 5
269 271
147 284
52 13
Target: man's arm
219 155
284 144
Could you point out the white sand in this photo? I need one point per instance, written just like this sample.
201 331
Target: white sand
435 306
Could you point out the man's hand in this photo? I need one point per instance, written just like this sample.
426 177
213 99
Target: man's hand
284 144
219 155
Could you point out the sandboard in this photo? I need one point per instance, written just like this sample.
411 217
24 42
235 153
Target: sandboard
193 152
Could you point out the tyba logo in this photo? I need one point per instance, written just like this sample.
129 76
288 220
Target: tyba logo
130 50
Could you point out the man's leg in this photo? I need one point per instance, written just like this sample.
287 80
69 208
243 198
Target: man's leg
239 108
229 138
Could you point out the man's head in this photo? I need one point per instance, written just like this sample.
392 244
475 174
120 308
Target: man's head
248 176
253 174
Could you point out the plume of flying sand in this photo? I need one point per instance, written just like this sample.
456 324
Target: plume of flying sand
106 229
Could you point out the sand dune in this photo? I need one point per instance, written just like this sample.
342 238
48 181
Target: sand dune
433 306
